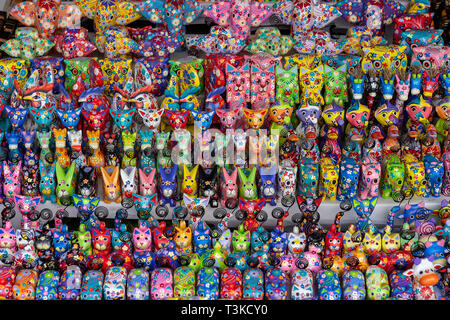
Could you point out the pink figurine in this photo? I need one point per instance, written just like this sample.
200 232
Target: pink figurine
425 277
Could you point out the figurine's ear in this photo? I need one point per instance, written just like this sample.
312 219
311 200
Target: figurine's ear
153 199
252 175
320 69
328 69
225 173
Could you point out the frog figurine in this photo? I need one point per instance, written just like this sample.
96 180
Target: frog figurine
393 175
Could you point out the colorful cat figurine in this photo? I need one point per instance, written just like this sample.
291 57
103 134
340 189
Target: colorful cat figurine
183 238
348 179
147 160
96 158
14 153
371 175
248 189
238 83
393 175
142 240
11 185
75 142
189 184
30 181
44 138
335 85
87 181
208 185
129 157
262 84
364 209
30 158
311 82
228 186
147 182
287 90
129 181
112 156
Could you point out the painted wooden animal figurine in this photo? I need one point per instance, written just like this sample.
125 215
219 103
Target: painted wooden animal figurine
111 185
129 157
60 143
424 273
96 158
48 181
44 138
30 158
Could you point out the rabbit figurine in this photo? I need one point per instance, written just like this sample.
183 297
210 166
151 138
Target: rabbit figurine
11 184
96 159
248 188
111 186
147 185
